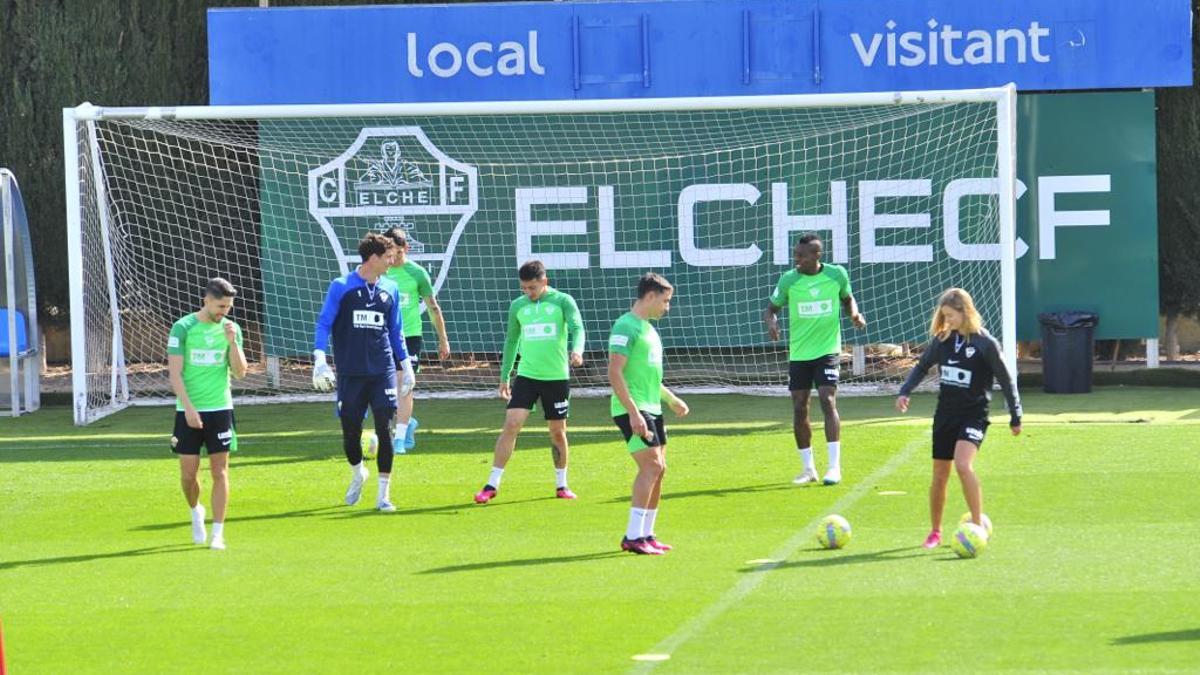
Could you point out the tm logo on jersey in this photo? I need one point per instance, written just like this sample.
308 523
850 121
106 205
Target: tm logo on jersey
365 318
398 176
540 331
956 377
814 309
207 357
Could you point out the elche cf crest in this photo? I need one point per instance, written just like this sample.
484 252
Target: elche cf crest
395 177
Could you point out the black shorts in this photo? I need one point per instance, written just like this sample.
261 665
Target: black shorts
948 430
554 394
819 372
216 436
413 346
656 432
357 393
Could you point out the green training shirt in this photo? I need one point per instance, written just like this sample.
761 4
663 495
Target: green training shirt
205 353
413 282
814 302
637 340
537 330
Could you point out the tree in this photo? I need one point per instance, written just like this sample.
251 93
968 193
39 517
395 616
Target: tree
1178 120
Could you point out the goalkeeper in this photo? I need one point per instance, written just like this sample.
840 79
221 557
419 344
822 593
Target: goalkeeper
362 315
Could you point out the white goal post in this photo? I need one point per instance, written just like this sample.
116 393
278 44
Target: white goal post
912 192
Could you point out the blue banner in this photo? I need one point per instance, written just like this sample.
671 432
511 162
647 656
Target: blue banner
665 48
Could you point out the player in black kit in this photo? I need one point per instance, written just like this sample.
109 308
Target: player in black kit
968 358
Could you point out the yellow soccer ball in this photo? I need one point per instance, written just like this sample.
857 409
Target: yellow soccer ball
833 532
969 540
369 444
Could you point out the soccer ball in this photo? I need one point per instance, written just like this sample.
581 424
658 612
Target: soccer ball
833 532
369 444
987 522
969 540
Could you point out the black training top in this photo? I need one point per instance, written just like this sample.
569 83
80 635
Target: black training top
967 367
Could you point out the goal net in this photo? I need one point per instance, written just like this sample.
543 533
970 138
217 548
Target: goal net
911 192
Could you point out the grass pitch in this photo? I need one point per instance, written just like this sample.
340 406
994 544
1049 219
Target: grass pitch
1093 565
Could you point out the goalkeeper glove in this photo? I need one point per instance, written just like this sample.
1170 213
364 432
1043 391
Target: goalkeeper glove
323 377
408 380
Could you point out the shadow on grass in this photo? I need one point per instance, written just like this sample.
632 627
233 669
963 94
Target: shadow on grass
445 509
836 559
1147 638
152 550
717 492
305 513
525 562
249 463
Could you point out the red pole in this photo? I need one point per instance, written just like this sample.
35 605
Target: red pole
2 669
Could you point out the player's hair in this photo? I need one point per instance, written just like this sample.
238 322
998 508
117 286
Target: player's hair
532 271
652 283
373 243
960 300
398 236
220 289
807 238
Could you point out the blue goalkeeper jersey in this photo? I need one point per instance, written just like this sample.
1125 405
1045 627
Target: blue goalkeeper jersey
364 322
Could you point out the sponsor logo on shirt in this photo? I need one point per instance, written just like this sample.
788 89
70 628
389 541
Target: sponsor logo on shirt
172 342
207 357
655 358
368 319
540 331
618 341
956 377
814 309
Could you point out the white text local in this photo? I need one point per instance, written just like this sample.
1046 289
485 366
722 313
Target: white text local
483 59
834 226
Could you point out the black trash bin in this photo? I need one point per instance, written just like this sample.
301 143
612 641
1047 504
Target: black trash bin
1068 340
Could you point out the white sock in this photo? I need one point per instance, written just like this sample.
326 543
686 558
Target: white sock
648 523
218 531
385 483
636 518
356 470
495 476
835 455
561 476
198 512
806 458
